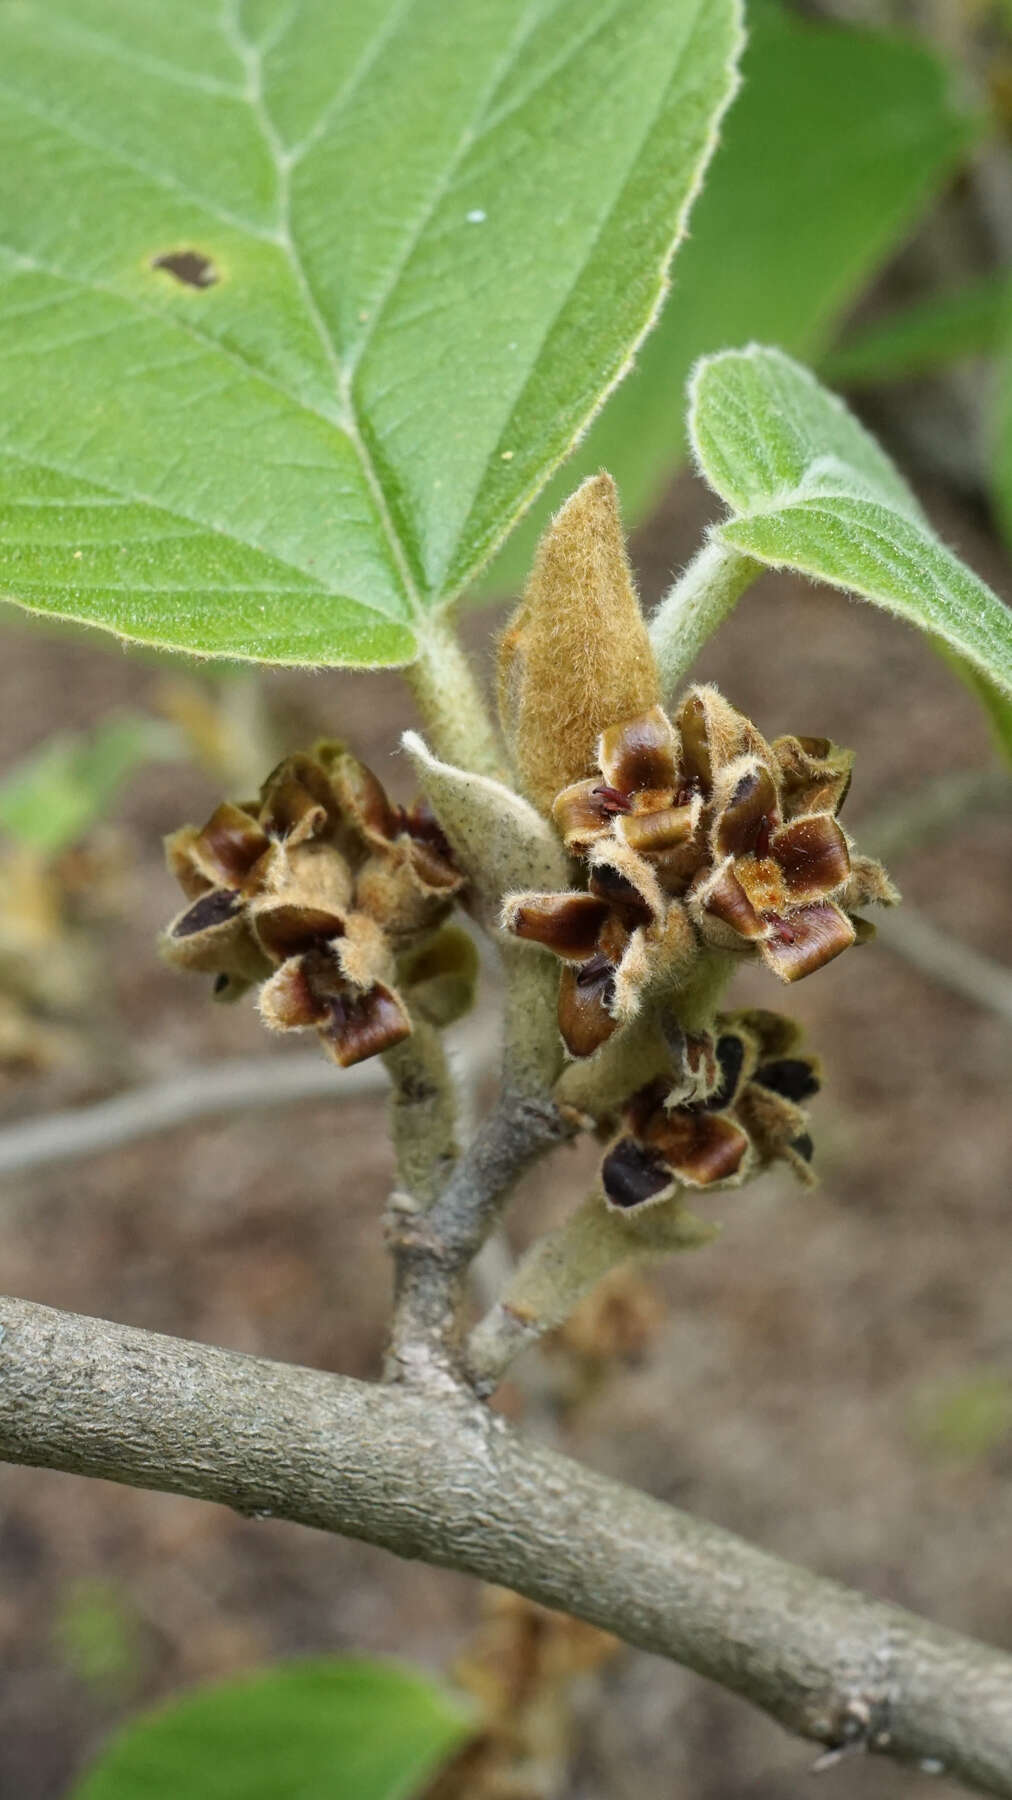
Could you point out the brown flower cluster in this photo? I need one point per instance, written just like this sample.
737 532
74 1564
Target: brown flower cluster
325 892
753 1078
697 833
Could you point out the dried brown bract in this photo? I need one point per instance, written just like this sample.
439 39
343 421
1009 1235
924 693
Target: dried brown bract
315 890
751 1117
696 835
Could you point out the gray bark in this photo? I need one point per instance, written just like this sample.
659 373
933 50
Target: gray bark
437 1477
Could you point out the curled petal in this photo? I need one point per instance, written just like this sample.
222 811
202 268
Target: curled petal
623 897
700 1148
805 939
812 853
714 733
290 1000
814 775
794 1077
361 796
361 1025
746 808
776 1126
585 998
775 1034
364 953
723 910
663 828
581 815
868 885
641 753
212 937
297 801
611 857
287 928
390 887
732 1055
222 854
633 1176
569 924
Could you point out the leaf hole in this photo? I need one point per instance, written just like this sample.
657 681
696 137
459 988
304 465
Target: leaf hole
191 267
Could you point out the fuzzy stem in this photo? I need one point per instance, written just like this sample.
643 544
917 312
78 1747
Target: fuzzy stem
451 703
562 1267
423 1113
690 612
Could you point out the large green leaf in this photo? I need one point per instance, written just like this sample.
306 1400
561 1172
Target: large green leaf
334 1730
836 143
301 302
810 490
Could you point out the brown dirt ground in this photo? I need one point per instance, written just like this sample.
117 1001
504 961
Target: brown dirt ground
794 1385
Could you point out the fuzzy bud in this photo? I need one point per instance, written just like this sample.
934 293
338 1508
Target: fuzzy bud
576 656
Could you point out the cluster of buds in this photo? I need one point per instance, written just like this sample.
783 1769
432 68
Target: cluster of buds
733 1109
328 895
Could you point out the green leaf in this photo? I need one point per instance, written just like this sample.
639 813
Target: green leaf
325 1730
973 320
810 490
300 304
836 144
55 795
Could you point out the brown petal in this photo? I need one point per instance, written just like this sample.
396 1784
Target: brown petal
569 924
713 734
361 1025
296 800
623 898
776 1035
361 796
433 866
795 1077
814 774
286 928
868 885
778 1129
722 898
662 829
580 814
289 1001
633 1176
640 753
732 1058
213 937
699 1147
813 854
805 939
585 996
745 803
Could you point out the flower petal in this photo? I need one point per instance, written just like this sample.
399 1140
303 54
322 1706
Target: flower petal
746 808
713 734
814 775
664 828
585 997
723 910
567 923
361 1025
640 753
807 938
633 1176
699 1147
795 1077
812 852
581 815
869 885
212 937
296 800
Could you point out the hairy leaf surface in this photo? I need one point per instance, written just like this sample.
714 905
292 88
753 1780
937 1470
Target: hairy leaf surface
300 303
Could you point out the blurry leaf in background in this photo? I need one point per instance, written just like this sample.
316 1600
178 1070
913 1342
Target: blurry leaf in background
930 334
1001 452
810 490
97 1637
963 1421
340 1729
835 145
322 294
51 799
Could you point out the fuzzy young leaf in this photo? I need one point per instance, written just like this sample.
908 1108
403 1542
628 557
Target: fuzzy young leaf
321 295
316 1729
810 490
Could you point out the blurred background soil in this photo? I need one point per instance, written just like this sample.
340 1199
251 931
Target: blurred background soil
833 1379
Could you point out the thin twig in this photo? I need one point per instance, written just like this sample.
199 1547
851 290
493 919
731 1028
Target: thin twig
442 1479
237 1084
974 977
